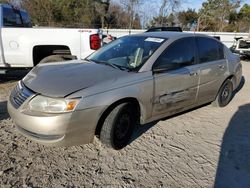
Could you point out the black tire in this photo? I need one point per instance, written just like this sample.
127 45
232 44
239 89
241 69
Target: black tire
225 94
52 58
118 126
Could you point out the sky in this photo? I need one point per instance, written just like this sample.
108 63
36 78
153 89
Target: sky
194 4
197 4
151 8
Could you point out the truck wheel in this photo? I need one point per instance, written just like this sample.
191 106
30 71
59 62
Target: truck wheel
225 94
118 126
52 58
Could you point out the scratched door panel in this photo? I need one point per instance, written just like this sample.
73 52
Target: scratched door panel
175 90
213 68
211 78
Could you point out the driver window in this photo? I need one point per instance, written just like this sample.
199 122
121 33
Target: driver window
181 53
11 18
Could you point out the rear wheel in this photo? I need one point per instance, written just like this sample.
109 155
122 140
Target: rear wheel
225 94
118 127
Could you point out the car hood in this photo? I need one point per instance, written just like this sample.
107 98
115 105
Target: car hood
64 78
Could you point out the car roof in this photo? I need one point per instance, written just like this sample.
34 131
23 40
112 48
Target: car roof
174 29
171 35
165 34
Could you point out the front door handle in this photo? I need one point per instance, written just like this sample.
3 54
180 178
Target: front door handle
193 73
222 67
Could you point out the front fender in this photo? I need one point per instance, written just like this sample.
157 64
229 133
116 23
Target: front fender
142 92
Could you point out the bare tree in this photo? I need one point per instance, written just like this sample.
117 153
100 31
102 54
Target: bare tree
41 11
11 2
130 6
167 7
102 7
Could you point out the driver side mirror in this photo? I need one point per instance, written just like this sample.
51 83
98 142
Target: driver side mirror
165 67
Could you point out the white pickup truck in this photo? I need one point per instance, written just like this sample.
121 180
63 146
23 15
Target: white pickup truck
24 46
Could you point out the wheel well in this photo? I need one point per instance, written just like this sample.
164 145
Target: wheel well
42 51
233 79
133 101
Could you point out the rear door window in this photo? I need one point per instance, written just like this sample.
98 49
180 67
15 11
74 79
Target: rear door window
209 50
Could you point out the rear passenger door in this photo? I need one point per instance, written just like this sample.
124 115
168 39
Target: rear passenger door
212 65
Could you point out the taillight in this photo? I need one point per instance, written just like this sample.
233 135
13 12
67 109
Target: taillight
95 42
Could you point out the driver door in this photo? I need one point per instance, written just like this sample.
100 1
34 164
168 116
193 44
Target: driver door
176 78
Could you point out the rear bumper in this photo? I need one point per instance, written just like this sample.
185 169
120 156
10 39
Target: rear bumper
243 52
57 130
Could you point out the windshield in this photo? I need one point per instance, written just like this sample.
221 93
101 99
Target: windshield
129 52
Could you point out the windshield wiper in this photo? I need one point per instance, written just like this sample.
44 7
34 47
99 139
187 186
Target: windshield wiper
104 63
122 67
110 64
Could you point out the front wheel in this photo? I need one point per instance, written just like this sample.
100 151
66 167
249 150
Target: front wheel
225 94
118 127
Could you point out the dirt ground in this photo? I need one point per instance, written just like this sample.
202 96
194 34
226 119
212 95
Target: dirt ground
206 147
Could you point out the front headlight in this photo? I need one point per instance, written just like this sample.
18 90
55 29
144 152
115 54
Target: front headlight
52 105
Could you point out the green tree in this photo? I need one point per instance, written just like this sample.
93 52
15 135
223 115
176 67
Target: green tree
41 11
115 16
67 13
187 18
75 13
5 1
214 14
119 17
244 18
239 21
